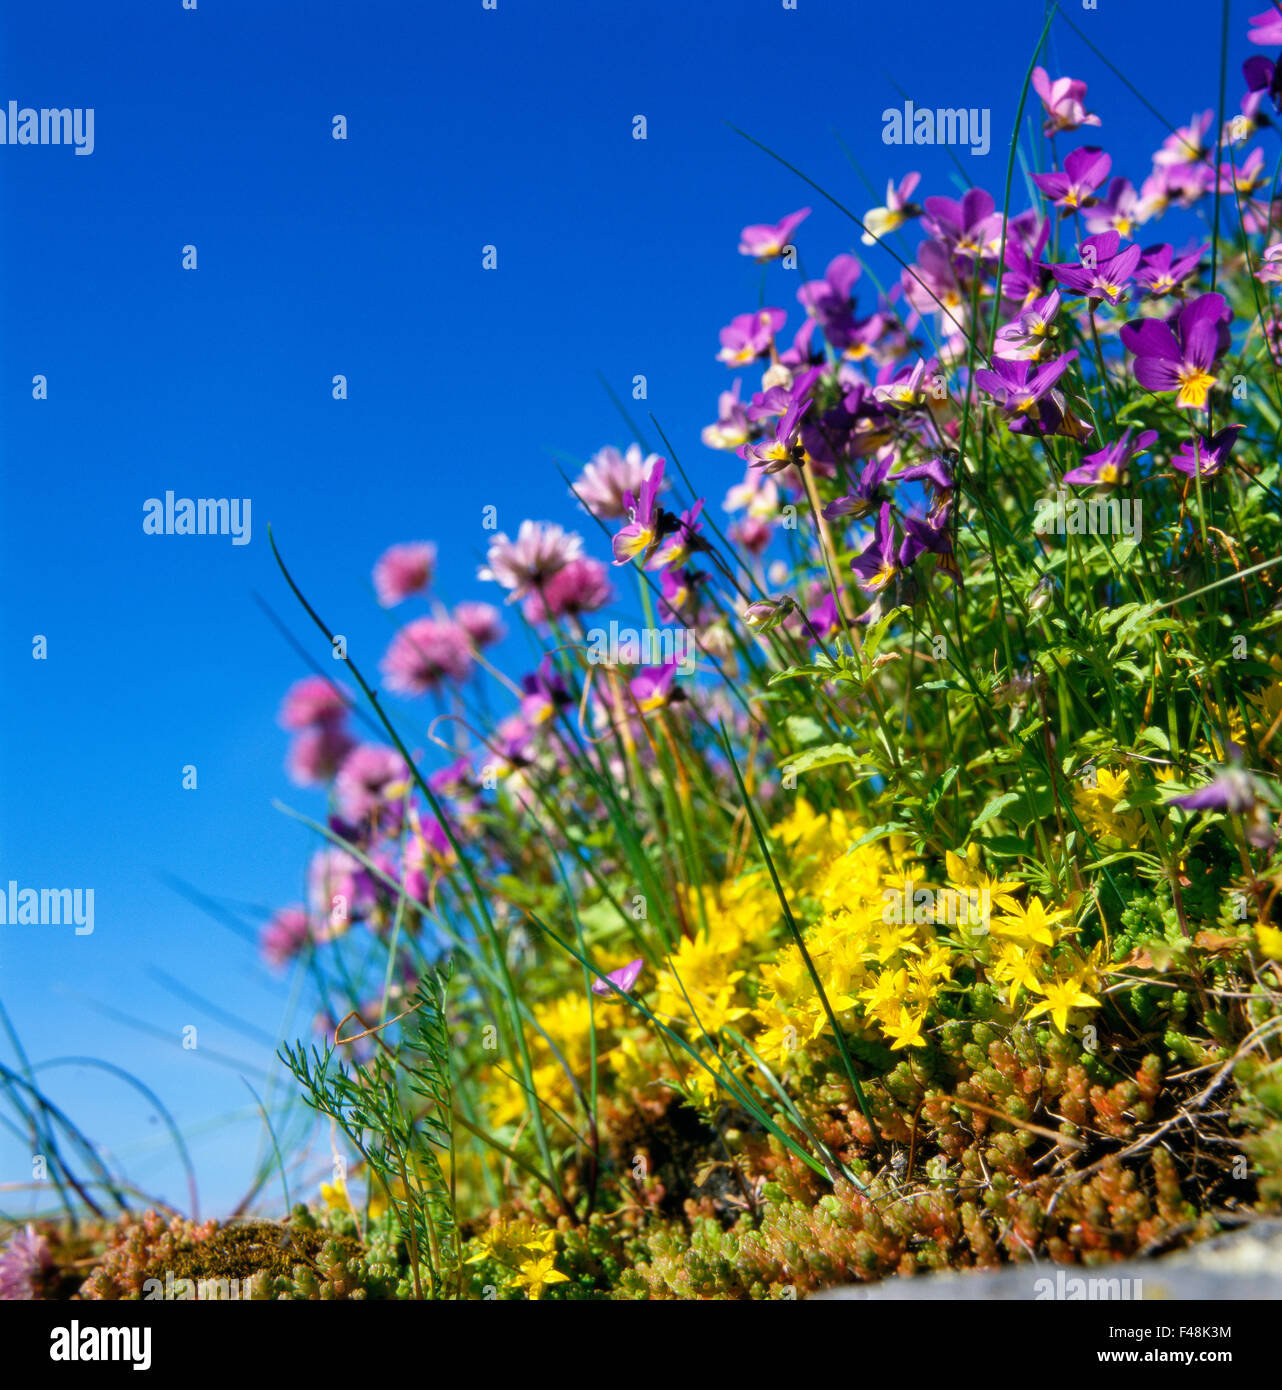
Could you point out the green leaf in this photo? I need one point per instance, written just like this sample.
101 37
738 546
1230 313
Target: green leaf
829 755
940 789
993 808
803 729
880 832
1006 846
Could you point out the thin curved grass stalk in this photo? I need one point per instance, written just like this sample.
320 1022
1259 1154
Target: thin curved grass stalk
175 1133
280 1162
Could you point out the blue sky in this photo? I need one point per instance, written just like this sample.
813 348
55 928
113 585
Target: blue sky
467 127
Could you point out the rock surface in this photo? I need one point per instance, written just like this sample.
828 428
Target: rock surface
1241 1264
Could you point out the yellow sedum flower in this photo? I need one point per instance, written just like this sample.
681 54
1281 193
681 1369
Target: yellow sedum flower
1061 997
1031 925
538 1272
906 1031
1270 939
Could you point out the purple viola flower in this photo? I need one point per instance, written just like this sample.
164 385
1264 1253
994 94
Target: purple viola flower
970 228
904 389
1024 247
1266 28
931 285
730 429
877 564
1161 271
1031 337
679 538
1073 186
1187 183
679 595
1206 457
1246 177
1262 75
1101 271
878 337
454 779
1269 271
767 242
748 336
1118 211
767 613
640 535
880 222
1106 465
935 472
783 448
931 535
1020 388
802 352
1187 145
544 692
621 979
829 300
655 687
1232 789
1063 100
1181 354
779 398
864 498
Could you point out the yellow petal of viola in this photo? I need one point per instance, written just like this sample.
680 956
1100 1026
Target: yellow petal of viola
1194 386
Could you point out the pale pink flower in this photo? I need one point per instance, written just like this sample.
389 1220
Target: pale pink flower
403 570
338 887
313 700
285 935
316 753
481 623
582 586
539 550
24 1262
363 781
424 653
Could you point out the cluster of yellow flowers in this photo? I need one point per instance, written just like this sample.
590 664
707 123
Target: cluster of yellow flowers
561 1040
889 943
527 1252
883 941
